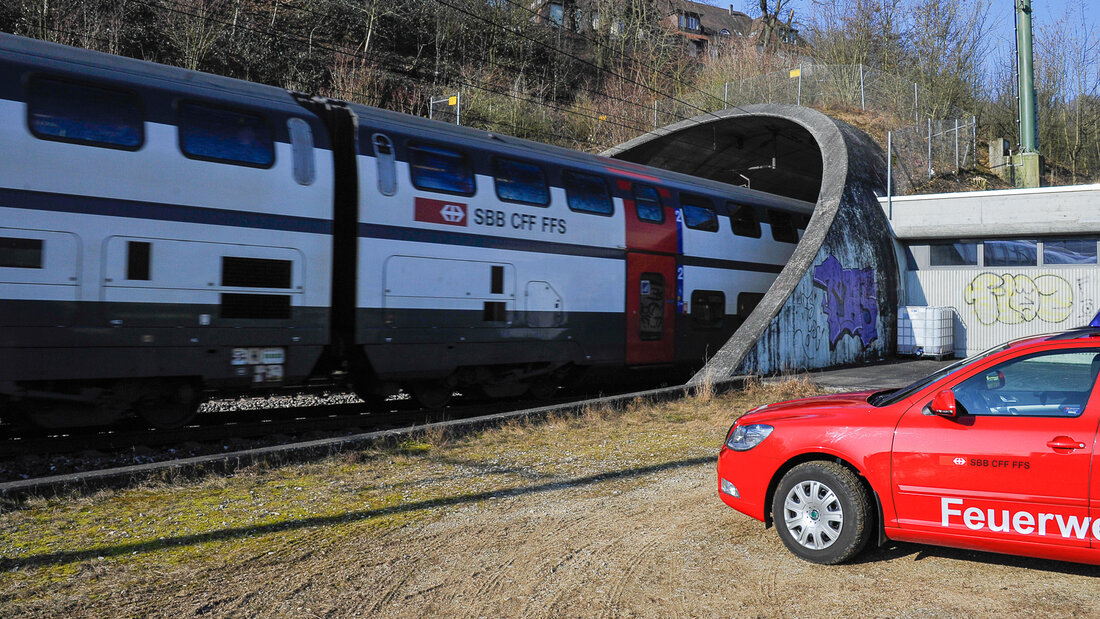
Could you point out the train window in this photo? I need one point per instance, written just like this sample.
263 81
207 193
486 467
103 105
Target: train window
651 307
518 181
496 279
138 254
782 226
587 193
648 204
708 308
226 136
743 220
84 114
440 169
387 173
255 272
301 146
698 212
19 253
494 311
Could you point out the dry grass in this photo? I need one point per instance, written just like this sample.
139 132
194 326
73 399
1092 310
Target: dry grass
144 551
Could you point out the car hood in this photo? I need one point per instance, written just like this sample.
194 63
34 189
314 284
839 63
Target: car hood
833 405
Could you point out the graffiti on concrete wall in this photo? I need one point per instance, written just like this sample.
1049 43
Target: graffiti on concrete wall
1014 299
851 300
809 333
1086 309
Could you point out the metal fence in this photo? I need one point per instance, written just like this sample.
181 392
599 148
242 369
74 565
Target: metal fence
921 152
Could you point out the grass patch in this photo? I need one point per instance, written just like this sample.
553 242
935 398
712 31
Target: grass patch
150 539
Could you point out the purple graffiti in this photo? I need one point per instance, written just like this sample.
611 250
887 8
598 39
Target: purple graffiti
851 300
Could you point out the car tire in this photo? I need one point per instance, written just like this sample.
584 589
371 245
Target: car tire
823 513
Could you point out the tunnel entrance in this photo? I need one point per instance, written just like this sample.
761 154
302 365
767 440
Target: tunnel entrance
767 153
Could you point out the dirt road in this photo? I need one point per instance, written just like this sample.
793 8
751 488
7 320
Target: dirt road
606 516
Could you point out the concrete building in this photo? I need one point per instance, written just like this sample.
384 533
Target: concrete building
1008 263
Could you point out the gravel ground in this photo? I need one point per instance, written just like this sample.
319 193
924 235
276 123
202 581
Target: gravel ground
603 516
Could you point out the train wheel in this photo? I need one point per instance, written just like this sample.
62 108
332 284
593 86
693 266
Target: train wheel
431 393
172 408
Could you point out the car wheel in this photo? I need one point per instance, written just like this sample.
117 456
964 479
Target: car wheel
822 512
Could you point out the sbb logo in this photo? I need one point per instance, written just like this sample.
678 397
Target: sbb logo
452 213
440 212
959 461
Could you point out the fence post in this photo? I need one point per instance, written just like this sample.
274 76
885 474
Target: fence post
799 85
929 148
974 139
458 108
916 114
862 95
956 146
654 113
726 97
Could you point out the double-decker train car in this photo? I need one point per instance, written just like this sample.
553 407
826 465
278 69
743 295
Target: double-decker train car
166 234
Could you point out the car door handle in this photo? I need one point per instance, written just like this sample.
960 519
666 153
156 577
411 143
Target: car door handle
1064 442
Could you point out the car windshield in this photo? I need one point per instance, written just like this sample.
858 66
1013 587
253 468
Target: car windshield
888 397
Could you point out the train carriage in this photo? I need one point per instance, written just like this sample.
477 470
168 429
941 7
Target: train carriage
167 232
161 232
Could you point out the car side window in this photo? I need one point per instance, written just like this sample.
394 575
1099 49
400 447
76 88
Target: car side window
1046 384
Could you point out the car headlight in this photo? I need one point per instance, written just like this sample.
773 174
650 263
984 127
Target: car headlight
744 438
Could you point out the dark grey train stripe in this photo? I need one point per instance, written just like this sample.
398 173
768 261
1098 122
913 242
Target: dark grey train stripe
734 265
113 207
465 239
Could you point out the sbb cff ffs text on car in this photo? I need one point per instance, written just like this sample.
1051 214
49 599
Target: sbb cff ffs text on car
996 453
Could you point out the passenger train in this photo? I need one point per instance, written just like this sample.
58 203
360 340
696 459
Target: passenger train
166 235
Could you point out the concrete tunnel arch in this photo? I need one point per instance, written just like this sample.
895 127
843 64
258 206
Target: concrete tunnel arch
835 301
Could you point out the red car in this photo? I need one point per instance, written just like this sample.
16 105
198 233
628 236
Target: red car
997 452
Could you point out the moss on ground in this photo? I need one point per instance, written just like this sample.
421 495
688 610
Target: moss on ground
58 551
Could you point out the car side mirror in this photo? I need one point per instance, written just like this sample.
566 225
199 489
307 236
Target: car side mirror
943 404
994 380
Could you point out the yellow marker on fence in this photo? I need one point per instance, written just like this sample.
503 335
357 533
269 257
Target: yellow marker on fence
796 72
603 116
452 101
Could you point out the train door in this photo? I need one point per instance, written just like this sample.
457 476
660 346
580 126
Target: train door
650 273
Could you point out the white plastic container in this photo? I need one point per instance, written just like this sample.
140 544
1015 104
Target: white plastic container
926 331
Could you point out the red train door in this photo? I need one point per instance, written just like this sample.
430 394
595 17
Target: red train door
650 273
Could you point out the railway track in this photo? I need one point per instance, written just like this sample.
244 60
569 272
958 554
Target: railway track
241 429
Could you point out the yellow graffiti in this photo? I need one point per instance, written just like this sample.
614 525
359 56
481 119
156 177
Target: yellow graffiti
1014 299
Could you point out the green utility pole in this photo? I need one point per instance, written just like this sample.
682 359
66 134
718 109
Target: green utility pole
1028 164
1029 131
